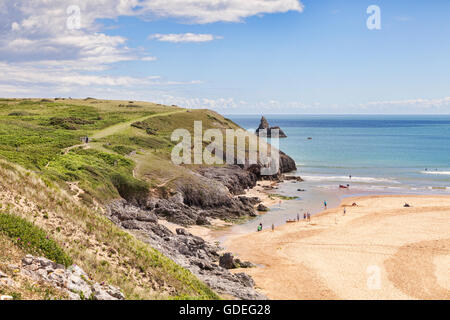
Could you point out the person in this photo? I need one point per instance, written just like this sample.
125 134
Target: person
350 176
325 204
304 216
298 217
260 227
273 227
345 211
309 216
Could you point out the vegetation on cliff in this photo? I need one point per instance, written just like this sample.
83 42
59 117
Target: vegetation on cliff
56 185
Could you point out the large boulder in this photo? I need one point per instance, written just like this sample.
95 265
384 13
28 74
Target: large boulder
227 261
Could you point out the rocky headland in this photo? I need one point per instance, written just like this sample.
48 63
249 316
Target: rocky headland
267 129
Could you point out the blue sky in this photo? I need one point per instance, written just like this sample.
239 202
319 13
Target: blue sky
257 56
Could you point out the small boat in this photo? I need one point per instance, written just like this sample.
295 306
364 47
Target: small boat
343 187
291 221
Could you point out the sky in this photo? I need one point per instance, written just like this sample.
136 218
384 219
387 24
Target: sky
232 56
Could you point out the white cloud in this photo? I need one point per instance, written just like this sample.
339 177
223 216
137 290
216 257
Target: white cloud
184 37
408 104
149 58
40 54
208 11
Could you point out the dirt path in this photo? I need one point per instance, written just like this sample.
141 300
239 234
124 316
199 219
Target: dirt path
379 250
117 128
125 125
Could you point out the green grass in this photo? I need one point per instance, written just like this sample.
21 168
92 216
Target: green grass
32 239
102 175
279 196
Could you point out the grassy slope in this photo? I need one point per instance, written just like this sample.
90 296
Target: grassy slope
38 135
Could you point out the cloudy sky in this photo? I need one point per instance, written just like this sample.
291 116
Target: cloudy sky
233 56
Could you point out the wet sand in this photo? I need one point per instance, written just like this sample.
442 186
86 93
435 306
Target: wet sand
378 250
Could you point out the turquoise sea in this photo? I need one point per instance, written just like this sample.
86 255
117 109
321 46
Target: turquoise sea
384 154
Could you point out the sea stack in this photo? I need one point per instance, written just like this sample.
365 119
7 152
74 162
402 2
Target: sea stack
264 126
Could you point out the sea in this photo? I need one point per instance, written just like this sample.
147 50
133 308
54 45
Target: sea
383 154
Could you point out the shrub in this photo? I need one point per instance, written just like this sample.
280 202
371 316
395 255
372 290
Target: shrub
123 150
129 188
32 239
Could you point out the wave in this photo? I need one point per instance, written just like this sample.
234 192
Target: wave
444 173
346 179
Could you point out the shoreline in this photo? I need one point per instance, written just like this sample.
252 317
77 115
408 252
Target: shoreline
329 257
213 232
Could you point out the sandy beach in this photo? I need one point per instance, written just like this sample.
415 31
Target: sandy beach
378 250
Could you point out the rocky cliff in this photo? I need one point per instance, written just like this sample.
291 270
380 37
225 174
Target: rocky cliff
264 127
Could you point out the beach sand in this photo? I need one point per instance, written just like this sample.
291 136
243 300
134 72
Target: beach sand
378 250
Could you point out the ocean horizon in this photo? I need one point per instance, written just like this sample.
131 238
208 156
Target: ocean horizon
381 153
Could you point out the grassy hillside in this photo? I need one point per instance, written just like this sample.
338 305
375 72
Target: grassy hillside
129 145
46 168
104 251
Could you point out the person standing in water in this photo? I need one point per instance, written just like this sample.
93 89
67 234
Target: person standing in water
345 211
325 204
260 227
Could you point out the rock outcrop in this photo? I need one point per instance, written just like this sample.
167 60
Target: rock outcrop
6 281
267 130
232 177
73 280
228 261
187 250
287 164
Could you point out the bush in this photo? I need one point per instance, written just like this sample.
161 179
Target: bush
129 188
32 239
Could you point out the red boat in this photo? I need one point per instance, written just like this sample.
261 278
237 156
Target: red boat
343 187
